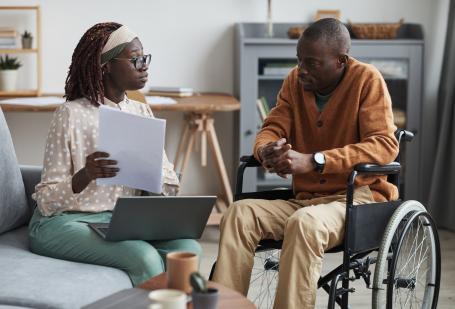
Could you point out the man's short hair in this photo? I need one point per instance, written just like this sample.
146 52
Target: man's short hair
333 32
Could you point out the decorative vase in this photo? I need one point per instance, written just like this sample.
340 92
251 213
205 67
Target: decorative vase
27 43
8 80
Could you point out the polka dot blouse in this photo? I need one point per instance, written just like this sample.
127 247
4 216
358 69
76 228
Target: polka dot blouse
72 137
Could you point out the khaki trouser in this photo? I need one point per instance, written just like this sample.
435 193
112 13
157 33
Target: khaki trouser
308 228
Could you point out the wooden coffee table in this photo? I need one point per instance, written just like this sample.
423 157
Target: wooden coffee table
228 298
137 298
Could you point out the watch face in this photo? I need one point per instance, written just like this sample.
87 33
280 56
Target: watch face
319 158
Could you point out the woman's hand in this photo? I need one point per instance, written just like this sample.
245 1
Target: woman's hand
95 167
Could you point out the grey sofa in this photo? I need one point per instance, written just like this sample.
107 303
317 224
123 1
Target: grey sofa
28 280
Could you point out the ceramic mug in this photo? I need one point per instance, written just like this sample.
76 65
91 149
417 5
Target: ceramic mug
168 299
180 265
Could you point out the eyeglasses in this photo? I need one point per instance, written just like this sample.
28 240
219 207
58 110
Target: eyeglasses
138 62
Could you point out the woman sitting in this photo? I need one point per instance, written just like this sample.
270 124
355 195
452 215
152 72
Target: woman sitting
108 61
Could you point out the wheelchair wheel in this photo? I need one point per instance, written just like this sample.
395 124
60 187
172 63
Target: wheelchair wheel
407 273
264 278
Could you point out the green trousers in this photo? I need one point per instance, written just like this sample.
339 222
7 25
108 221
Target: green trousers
67 236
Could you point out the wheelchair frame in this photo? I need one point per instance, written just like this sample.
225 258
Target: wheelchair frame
356 246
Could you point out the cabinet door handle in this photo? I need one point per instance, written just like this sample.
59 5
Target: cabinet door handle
248 132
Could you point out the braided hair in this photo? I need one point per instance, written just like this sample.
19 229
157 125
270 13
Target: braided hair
85 76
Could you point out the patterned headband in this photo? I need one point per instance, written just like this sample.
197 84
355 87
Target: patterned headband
116 43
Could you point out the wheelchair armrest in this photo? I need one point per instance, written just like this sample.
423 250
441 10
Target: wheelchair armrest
245 161
404 135
250 161
388 169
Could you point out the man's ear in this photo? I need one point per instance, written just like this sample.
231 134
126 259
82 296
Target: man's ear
342 60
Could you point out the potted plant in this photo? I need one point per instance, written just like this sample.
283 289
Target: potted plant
27 40
202 296
8 72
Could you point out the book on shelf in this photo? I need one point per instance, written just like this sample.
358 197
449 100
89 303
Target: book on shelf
7 42
263 108
277 68
7 32
261 111
266 105
171 91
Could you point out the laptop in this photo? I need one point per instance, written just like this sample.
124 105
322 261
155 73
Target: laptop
157 218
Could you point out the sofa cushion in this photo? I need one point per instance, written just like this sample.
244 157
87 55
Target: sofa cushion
13 201
31 280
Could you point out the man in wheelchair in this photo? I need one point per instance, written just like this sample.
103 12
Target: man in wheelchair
332 113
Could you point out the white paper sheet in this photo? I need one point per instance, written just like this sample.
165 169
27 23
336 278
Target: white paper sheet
137 143
159 100
38 101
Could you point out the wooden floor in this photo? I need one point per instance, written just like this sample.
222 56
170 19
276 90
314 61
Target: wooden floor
362 297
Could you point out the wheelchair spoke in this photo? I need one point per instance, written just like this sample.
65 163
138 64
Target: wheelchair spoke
414 275
264 278
412 257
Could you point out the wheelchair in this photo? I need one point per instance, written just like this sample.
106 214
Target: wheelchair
398 237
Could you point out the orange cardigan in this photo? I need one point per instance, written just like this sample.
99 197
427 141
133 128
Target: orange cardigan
355 126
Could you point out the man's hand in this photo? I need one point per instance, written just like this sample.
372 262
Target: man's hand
270 153
293 162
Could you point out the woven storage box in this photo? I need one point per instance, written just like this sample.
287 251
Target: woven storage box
375 31
295 32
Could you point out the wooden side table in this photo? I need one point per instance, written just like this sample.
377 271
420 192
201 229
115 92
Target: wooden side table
228 298
198 111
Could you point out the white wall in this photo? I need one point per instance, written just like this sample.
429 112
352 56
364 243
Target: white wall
192 45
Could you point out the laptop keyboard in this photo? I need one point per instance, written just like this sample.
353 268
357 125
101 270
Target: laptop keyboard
103 230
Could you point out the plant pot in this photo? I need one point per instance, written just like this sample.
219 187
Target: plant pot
207 300
8 80
27 43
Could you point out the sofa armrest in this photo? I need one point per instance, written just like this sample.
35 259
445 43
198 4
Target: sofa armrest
31 175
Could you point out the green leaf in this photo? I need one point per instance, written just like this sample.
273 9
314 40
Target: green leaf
9 63
198 282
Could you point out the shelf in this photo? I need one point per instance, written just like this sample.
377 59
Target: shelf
33 12
390 77
19 7
272 77
19 93
18 51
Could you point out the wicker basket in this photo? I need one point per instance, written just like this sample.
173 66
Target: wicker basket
375 31
295 32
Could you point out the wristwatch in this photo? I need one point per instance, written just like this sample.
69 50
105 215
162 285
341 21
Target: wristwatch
319 161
